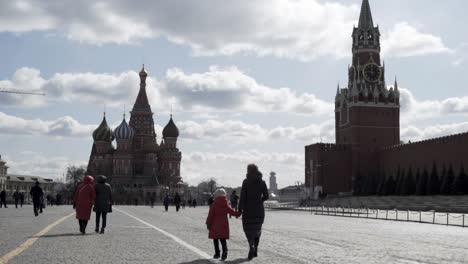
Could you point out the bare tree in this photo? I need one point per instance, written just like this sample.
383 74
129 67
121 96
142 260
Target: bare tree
75 174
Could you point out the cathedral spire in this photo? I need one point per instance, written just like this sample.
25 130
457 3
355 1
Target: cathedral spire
141 103
365 19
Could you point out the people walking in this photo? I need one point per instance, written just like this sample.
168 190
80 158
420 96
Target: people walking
177 202
37 194
21 199
166 202
83 202
3 199
254 192
218 224
103 202
234 199
16 197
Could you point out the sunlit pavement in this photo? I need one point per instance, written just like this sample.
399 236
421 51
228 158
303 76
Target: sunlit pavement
150 235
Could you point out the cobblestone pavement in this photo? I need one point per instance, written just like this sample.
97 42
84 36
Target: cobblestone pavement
150 235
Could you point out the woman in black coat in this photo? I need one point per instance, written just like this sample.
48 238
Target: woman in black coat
103 203
254 192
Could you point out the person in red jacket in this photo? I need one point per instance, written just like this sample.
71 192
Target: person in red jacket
217 222
83 202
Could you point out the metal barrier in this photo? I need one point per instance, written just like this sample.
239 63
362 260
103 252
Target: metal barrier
431 217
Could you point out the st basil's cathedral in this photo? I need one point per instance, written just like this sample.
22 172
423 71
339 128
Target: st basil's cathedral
137 160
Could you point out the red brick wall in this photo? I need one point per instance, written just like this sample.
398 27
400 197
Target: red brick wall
445 150
334 170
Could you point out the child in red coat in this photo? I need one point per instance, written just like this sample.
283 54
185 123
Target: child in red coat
217 222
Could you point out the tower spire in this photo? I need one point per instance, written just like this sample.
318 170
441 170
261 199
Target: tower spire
395 86
365 19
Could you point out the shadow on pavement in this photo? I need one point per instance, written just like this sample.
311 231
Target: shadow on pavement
204 261
60 235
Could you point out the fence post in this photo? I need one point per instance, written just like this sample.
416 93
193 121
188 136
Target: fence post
377 214
343 210
433 218
447 218
420 220
386 214
328 210
396 212
463 223
407 216
367 216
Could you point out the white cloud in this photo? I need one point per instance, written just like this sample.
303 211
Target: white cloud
414 133
414 109
23 80
219 89
65 126
404 40
231 89
230 168
300 30
40 164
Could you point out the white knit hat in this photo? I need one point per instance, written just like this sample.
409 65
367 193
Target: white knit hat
220 192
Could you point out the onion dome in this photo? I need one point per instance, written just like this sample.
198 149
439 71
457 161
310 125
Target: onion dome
124 131
170 130
143 73
103 132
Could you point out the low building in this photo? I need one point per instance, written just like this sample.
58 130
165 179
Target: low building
23 183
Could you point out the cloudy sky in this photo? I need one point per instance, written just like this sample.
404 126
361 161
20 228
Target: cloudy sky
249 81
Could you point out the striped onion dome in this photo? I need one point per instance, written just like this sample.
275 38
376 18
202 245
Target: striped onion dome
124 131
170 130
103 132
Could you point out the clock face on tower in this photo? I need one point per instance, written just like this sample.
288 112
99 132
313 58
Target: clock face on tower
372 72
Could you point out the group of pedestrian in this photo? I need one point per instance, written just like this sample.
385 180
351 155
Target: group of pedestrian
17 196
253 193
93 197
178 202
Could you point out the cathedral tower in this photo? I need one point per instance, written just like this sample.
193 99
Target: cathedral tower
169 155
144 141
123 156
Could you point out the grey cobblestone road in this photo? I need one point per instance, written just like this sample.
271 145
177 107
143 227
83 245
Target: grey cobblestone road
150 235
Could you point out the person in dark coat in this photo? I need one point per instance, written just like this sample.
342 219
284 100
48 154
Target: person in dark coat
177 202
166 202
83 202
254 192
21 199
194 203
234 199
37 194
218 224
3 199
103 202
16 197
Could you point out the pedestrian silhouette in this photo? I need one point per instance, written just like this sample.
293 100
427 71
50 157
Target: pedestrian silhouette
254 193
37 195
103 202
3 199
83 202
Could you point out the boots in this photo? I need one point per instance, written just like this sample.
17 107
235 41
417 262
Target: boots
257 241
224 256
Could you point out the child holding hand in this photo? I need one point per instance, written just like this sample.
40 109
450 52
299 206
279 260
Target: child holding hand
218 224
